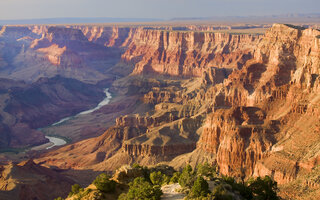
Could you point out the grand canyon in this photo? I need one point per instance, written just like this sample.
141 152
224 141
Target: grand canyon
244 98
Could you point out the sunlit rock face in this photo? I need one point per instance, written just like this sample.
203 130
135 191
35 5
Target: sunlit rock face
178 53
280 83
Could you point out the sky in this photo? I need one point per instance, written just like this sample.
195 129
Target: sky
161 9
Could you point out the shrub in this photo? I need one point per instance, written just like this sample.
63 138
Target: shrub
242 188
104 184
200 188
156 178
187 177
122 196
166 179
206 170
142 189
264 188
220 193
175 177
75 189
136 166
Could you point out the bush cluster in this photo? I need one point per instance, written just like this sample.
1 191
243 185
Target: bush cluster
104 183
193 182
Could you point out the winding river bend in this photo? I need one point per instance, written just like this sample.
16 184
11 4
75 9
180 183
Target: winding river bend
58 141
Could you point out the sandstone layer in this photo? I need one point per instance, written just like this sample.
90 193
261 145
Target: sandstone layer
178 53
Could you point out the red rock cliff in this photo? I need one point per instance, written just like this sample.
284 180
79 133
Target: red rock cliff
179 53
282 80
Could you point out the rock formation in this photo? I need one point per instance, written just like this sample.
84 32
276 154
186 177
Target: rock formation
29 181
27 107
280 81
179 53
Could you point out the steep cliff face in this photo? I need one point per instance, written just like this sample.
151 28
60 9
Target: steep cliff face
179 53
108 36
239 137
17 32
68 47
281 81
31 52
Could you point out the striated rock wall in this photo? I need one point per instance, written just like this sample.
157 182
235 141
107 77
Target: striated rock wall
281 82
239 138
108 36
179 53
153 150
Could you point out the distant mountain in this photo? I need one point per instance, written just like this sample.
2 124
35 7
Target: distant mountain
75 20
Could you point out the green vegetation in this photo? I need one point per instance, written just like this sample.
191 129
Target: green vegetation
206 170
194 184
157 178
263 188
187 177
175 177
200 188
104 184
75 189
138 182
140 188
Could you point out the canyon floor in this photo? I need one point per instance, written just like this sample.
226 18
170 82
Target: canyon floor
242 97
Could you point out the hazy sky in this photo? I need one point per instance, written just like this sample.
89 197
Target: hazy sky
26 9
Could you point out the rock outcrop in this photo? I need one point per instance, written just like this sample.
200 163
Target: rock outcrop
178 53
30 181
68 47
110 36
282 82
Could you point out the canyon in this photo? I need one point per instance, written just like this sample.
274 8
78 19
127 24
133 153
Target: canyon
247 102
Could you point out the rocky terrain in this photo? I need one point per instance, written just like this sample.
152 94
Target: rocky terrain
30 181
27 107
245 102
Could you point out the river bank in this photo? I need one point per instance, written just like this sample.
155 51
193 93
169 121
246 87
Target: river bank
59 141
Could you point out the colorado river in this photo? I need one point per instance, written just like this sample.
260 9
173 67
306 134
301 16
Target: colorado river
55 141
58 141
104 102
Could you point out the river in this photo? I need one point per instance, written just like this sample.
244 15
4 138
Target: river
58 141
